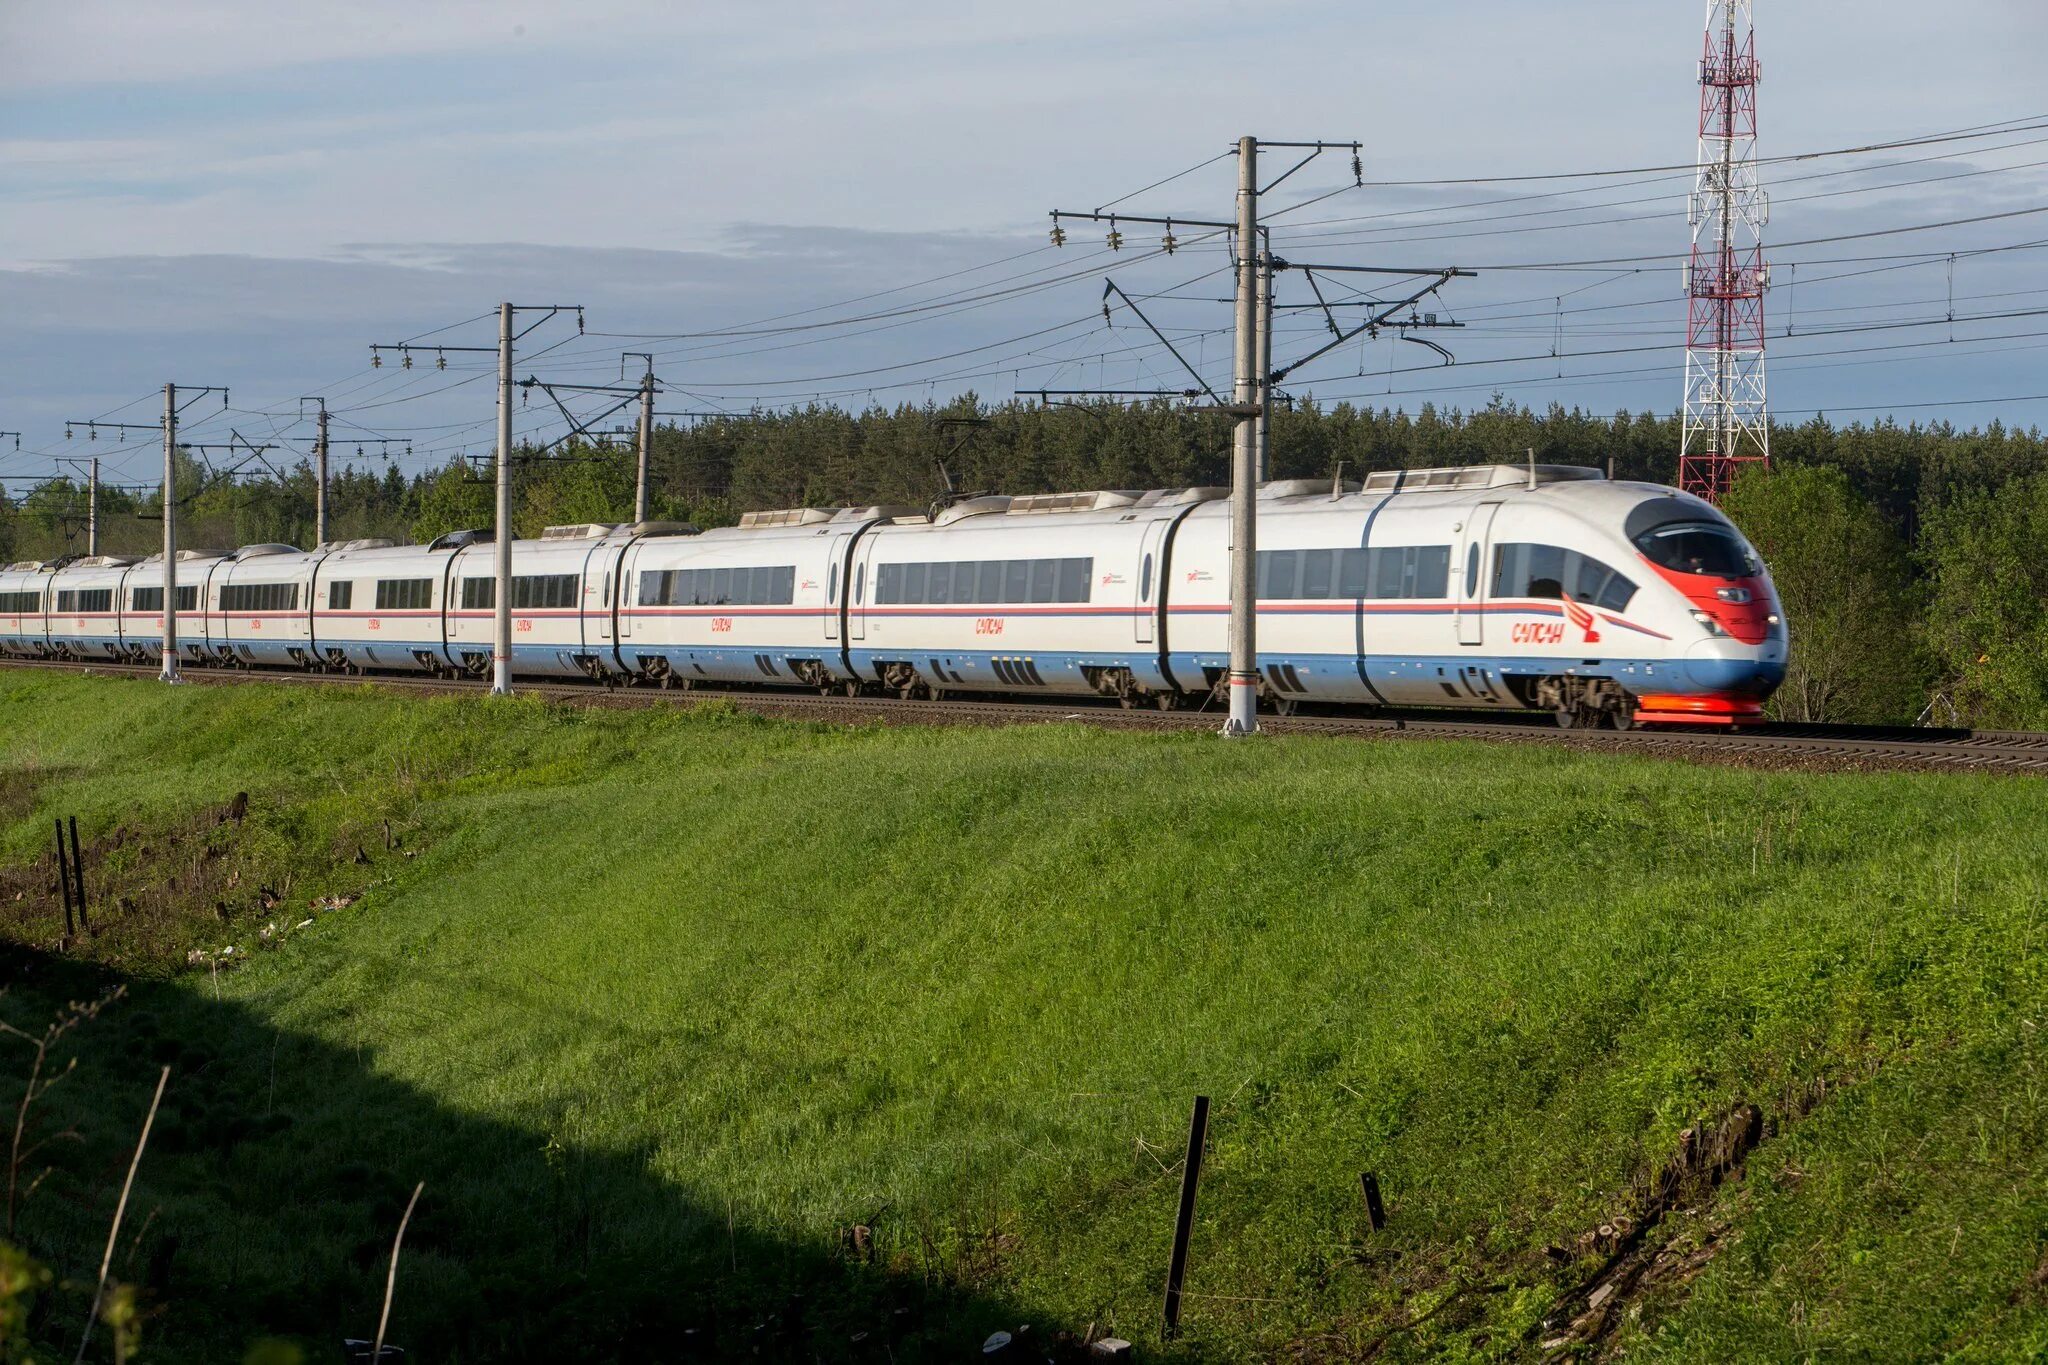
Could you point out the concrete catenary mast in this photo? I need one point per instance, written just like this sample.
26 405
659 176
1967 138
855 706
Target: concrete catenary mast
1726 423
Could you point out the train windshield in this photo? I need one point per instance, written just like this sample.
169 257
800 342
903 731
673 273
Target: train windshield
1700 547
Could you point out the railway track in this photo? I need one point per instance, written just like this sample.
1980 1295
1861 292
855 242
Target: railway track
1776 746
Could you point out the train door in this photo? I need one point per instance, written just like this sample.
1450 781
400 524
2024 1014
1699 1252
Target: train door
609 563
1151 572
835 570
629 561
856 602
1471 610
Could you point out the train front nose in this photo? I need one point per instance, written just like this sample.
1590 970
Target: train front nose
1732 669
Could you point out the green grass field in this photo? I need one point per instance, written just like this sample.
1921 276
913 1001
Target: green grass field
661 1005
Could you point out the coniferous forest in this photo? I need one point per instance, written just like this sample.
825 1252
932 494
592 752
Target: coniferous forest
1908 556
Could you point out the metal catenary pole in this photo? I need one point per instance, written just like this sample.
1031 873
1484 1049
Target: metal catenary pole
92 509
501 651
1244 464
320 475
170 604
646 443
1265 364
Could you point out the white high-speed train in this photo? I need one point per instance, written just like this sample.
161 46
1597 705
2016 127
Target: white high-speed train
1488 587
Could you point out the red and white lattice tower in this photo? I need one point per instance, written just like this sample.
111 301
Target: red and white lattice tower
1726 422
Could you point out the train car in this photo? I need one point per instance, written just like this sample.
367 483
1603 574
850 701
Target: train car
84 608
564 601
1056 593
761 602
1490 588
142 607
259 606
24 605
375 605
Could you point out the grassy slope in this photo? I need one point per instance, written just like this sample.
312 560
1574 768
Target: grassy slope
653 973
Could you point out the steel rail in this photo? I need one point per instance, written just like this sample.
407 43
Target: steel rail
1786 745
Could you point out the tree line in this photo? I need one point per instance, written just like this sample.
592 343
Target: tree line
1909 557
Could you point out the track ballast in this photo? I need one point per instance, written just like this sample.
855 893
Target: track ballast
1771 746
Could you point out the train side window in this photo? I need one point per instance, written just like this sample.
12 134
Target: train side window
340 593
1615 596
1044 579
938 586
1354 573
988 586
1279 573
1432 571
1145 580
860 584
1316 569
1016 580
832 586
888 584
913 582
1077 578
1472 569
721 587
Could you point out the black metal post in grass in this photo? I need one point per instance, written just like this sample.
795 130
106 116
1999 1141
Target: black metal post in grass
64 878
78 876
1375 1211
1190 1176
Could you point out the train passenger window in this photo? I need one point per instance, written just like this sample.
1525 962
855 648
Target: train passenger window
25 603
1145 580
405 594
152 599
913 582
538 592
85 600
1044 580
654 587
1551 572
1354 573
1279 573
1472 569
938 587
1316 572
239 597
721 587
989 581
888 584
479 594
340 593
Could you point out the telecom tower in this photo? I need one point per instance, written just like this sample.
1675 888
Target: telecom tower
1726 422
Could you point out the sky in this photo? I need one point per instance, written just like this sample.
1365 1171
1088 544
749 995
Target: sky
788 202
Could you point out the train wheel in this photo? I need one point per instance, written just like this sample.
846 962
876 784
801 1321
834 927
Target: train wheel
1622 718
1166 701
1568 718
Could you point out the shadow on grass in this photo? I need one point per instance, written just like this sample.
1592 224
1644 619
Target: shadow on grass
279 1167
